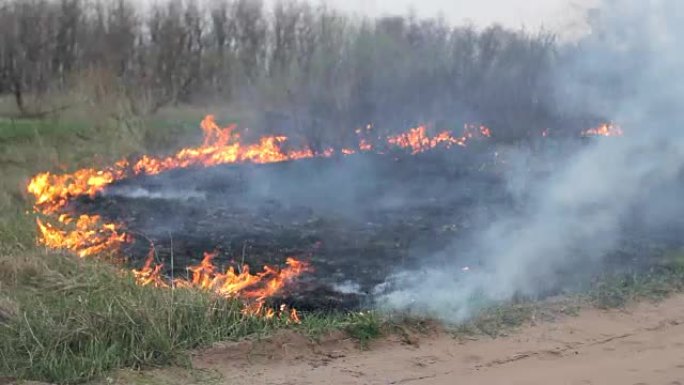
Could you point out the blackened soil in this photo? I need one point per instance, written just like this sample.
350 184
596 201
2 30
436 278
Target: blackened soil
356 219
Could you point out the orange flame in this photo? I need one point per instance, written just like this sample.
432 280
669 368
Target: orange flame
220 146
150 273
419 141
606 129
89 235
85 236
254 289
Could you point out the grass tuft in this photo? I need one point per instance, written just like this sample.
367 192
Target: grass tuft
66 320
364 326
71 320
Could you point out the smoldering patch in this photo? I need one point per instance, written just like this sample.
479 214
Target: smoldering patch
133 192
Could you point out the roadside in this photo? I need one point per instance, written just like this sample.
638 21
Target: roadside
60 321
639 344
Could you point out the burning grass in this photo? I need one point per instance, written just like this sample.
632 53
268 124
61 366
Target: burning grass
66 320
89 235
61 322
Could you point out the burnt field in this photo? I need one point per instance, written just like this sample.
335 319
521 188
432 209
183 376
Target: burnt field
357 219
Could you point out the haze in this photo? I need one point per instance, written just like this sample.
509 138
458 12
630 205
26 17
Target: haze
563 16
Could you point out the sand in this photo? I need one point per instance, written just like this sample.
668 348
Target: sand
642 344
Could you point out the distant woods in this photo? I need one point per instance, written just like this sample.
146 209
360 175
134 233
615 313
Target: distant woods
299 67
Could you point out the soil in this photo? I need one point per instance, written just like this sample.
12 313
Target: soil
356 219
638 345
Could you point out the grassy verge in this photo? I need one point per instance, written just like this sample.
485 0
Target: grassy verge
606 292
66 320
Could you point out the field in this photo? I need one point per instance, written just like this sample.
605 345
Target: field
230 192
61 323
636 344
59 320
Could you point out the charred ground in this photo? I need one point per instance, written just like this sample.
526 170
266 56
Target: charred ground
357 219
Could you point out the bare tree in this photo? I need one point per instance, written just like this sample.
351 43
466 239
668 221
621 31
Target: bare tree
65 49
250 33
286 18
175 52
317 71
220 58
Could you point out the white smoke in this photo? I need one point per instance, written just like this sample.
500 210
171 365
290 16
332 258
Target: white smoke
575 215
134 192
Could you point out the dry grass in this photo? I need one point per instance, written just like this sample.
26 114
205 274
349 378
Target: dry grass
67 320
65 325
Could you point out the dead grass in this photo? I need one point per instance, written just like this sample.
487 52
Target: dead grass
66 325
66 320
58 318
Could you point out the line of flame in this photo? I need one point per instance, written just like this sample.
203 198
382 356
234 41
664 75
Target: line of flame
89 235
253 289
606 129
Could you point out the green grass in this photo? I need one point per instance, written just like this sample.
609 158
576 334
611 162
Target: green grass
620 290
66 320
30 129
609 291
17 231
364 326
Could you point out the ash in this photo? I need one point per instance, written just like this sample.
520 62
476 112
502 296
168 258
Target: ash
358 219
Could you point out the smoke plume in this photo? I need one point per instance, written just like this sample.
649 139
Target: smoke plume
629 68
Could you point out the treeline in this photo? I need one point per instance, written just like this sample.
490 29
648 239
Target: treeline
298 67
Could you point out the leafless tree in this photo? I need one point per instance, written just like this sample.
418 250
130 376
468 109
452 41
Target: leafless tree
312 69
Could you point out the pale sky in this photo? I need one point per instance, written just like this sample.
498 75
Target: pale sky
556 15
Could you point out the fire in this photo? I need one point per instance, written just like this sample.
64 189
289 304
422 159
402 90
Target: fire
53 192
150 273
419 141
606 129
220 146
364 145
85 236
253 289
90 235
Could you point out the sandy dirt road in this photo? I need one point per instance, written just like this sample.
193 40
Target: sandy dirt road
643 344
